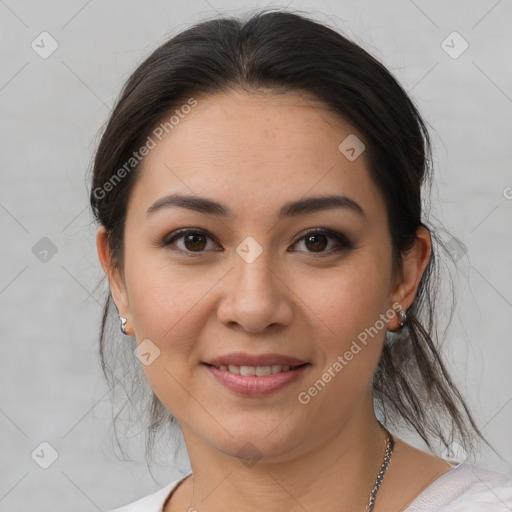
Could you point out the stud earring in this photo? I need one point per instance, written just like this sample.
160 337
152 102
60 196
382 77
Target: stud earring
402 318
123 325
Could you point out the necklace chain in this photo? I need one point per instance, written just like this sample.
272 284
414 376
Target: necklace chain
390 444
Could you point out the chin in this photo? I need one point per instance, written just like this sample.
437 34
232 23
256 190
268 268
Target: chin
261 439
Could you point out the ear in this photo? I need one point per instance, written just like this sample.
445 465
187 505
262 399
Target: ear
414 263
114 275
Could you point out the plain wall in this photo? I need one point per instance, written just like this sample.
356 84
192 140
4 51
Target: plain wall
52 110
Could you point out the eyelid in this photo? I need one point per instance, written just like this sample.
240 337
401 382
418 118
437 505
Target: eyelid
343 242
182 232
323 231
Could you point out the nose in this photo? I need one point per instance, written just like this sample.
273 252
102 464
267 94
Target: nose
255 296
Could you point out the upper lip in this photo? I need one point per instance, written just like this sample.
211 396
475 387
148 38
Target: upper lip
244 359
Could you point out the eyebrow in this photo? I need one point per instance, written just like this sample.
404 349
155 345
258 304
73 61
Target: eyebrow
290 209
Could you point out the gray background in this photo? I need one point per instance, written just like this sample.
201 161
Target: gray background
52 111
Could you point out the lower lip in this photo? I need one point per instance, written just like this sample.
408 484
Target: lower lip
251 385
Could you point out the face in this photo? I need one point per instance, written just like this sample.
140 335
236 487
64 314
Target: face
258 276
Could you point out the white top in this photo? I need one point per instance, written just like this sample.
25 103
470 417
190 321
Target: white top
465 488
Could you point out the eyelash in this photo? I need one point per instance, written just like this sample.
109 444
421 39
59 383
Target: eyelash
342 242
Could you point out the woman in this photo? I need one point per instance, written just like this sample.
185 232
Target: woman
258 191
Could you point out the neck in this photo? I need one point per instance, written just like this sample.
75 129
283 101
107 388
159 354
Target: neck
339 473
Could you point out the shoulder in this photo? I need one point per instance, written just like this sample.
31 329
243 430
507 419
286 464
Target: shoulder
153 502
466 488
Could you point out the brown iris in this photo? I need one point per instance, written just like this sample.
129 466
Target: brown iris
195 241
319 245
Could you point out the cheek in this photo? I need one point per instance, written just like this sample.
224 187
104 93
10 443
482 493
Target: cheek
357 295
348 352
351 325
162 310
166 310
162 297
170 306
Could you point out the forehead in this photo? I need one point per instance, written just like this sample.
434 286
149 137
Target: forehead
245 148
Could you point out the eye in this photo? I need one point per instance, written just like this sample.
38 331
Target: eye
317 240
193 240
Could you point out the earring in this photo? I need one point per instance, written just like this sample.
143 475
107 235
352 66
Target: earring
123 325
402 318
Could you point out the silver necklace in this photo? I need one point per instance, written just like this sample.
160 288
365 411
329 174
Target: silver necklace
390 444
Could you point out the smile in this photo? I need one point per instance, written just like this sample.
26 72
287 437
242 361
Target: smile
256 381
258 371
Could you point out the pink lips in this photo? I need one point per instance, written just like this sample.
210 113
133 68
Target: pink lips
251 385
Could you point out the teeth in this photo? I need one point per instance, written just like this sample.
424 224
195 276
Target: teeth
258 371
246 370
263 370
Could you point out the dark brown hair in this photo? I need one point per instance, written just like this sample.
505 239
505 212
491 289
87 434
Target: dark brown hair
286 52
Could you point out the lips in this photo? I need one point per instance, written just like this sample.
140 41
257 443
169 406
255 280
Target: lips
256 375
